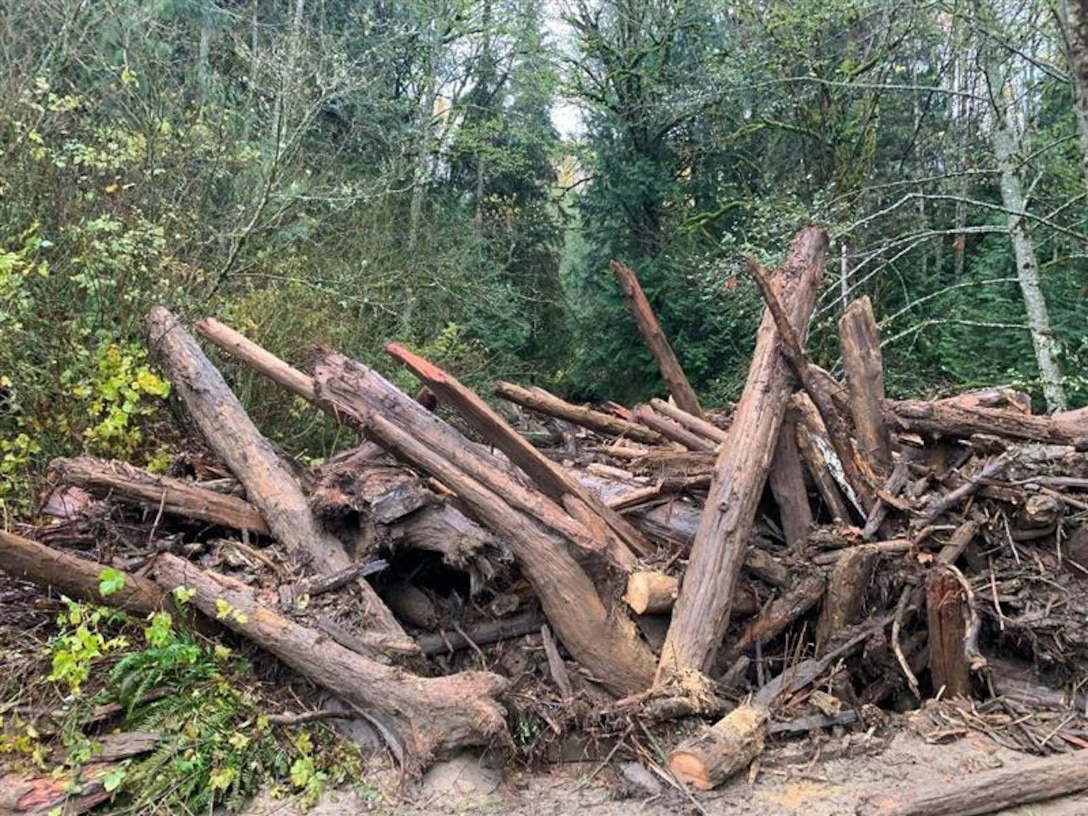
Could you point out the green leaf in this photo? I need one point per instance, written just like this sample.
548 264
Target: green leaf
110 581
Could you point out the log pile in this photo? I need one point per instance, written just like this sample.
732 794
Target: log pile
818 554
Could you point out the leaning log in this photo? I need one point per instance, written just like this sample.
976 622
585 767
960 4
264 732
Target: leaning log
121 481
702 609
76 577
604 642
671 372
621 538
235 439
431 715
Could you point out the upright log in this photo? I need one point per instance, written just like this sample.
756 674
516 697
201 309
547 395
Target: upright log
864 368
236 440
787 481
706 596
675 379
431 715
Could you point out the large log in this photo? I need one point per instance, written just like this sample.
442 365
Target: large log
76 577
122 481
702 609
604 642
431 715
951 419
675 379
236 440
539 400
787 482
617 534
1031 780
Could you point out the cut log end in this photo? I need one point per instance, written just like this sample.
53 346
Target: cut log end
728 747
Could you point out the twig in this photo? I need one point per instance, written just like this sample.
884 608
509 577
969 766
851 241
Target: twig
991 469
310 716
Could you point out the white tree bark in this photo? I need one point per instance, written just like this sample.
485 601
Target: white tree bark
1005 142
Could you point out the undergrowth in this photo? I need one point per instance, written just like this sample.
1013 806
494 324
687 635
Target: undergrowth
111 673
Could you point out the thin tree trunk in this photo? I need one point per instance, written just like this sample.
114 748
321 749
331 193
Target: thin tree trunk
1074 19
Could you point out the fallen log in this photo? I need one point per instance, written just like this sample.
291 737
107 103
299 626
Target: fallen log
957 420
701 614
235 439
431 715
605 643
1032 780
76 577
539 400
673 430
671 372
176 497
695 424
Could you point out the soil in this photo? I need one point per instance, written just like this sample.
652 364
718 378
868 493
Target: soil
782 786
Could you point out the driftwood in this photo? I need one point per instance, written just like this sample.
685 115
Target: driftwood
604 643
947 629
787 482
856 472
952 419
551 479
702 609
430 715
697 425
815 450
672 429
675 379
232 435
1032 780
177 497
865 377
539 400
22 558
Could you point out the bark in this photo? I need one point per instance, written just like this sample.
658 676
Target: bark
121 481
950 419
539 400
235 439
671 372
846 589
787 481
77 577
603 642
729 746
865 376
695 424
1005 146
945 613
672 430
606 524
430 715
1074 18
766 627
702 609
1027 781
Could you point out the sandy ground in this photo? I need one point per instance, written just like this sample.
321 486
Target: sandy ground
781 787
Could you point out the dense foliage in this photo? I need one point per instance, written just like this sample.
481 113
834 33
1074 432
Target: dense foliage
357 172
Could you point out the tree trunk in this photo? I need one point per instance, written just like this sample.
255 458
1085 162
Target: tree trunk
671 372
702 609
431 715
233 436
602 640
1074 18
1006 147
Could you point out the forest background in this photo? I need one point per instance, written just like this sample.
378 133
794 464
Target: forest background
358 171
